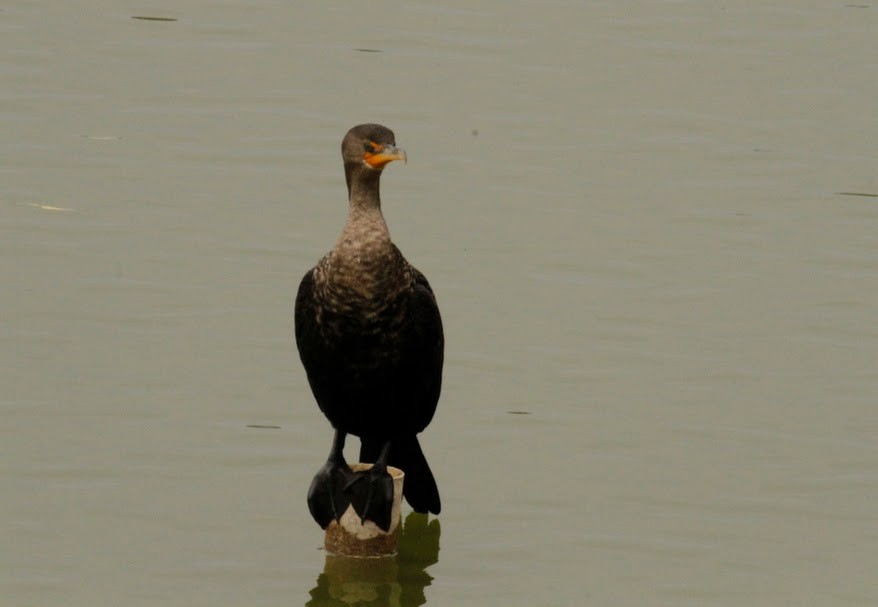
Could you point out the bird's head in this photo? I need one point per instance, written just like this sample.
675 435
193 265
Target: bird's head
370 145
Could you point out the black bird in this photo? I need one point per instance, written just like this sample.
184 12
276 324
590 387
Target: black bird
370 337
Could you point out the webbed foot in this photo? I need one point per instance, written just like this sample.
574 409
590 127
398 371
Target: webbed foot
370 492
327 500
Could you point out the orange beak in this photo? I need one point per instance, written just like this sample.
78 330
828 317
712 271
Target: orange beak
383 154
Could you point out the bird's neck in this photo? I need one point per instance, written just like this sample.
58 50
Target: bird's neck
364 186
365 231
364 234
365 268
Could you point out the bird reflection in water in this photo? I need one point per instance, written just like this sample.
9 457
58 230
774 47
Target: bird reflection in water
397 581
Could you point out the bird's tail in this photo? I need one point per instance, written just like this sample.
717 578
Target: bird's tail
419 486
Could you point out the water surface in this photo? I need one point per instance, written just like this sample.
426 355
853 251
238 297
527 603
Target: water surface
660 311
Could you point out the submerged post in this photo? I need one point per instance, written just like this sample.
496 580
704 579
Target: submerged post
351 536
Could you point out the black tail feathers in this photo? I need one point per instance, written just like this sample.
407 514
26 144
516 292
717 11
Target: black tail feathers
419 486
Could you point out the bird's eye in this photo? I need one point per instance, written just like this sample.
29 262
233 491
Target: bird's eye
372 147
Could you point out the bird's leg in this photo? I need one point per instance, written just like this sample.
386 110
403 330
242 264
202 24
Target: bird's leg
327 499
371 492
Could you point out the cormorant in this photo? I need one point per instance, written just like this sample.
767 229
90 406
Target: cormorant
370 337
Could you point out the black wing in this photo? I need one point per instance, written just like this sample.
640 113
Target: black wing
426 348
311 346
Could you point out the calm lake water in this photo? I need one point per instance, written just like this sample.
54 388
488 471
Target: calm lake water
652 228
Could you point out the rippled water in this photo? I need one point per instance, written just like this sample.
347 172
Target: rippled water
660 308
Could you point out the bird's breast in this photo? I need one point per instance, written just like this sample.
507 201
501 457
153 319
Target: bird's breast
360 292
